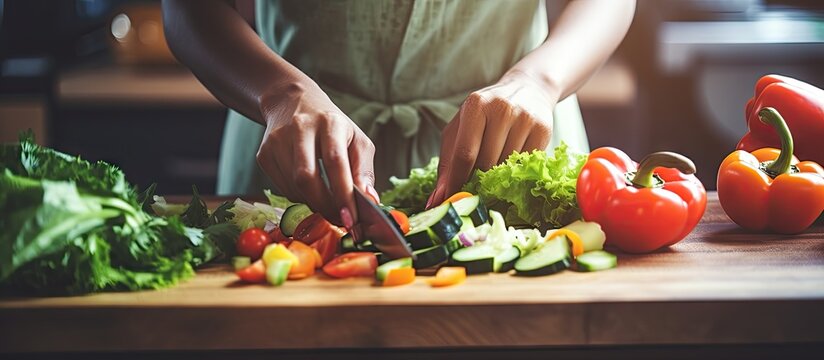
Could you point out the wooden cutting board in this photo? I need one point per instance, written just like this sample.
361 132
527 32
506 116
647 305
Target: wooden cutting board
721 285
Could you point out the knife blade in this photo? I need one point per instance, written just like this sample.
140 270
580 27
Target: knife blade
373 224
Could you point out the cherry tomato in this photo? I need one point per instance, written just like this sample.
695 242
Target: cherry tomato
251 243
306 260
255 273
352 264
401 219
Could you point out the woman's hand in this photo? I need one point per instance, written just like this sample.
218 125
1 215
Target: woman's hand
513 115
303 125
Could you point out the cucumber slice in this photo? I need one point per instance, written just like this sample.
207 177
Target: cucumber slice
430 257
443 221
422 239
505 260
596 260
292 216
383 270
366 245
473 208
240 262
453 245
347 243
476 259
277 271
547 258
467 224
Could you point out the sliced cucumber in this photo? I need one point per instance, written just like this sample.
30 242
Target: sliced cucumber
430 257
383 270
473 208
277 271
422 239
596 260
240 262
453 245
467 224
442 221
347 243
476 259
506 259
547 258
292 216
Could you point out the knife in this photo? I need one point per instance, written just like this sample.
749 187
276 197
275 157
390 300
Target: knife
373 224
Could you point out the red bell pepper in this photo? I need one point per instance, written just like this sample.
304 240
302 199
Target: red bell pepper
769 189
802 107
643 207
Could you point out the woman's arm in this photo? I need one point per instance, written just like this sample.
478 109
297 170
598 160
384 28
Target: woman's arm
515 114
302 123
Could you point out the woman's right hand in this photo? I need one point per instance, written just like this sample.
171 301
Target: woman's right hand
303 125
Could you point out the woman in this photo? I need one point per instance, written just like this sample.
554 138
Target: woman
377 87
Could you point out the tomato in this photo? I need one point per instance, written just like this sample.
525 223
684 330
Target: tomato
401 219
255 273
327 246
352 264
251 243
448 275
399 276
312 229
458 196
277 236
318 258
306 260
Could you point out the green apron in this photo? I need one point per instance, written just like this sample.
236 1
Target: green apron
398 69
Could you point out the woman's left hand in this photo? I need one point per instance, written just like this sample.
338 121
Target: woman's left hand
514 114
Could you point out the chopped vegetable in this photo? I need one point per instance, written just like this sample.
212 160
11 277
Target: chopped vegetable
278 271
240 262
382 271
249 215
275 252
592 237
292 218
458 196
572 237
352 264
548 257
253 274
596 260
305 266
447 276
401 219
399 276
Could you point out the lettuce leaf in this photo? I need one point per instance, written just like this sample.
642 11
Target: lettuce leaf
532 188
410 194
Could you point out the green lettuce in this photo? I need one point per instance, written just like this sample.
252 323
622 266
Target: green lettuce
410 194
532 188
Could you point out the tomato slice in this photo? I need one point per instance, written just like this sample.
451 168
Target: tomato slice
318 258
327 246
306 260
448 275
458 196
277 236
352 264
401 219
399 276
255 273
311 229
251 243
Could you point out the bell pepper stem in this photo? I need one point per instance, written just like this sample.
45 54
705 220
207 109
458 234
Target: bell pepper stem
644 176
781 165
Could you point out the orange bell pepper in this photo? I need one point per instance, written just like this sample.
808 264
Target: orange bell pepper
769 189
399 276
448 275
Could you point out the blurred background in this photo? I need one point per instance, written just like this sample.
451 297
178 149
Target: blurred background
95 78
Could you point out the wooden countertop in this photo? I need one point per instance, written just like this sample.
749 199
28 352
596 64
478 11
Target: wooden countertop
719 286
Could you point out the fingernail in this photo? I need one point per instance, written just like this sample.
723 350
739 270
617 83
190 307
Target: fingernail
372 192
429 201
346 217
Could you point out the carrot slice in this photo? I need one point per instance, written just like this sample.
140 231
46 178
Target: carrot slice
458 196
574 239
399 276
448 275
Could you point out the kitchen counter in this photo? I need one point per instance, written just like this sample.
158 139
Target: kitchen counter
721 285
